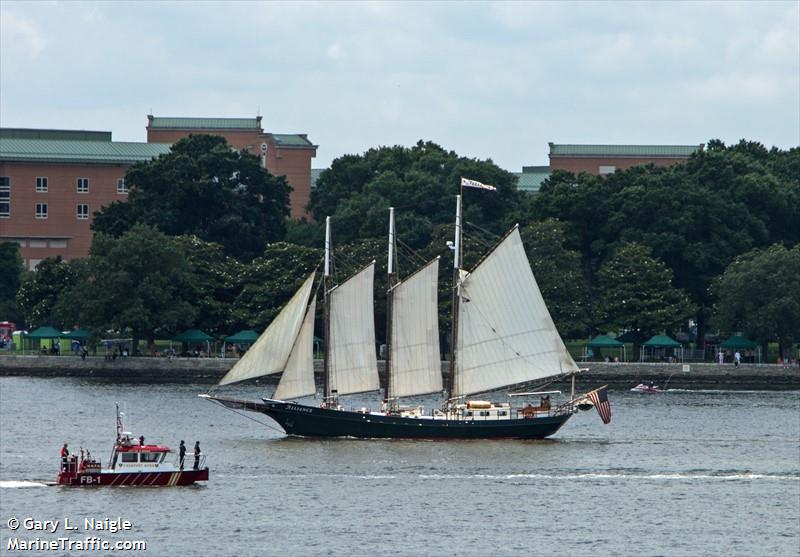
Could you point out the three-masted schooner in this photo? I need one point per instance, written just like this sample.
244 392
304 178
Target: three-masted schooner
502 335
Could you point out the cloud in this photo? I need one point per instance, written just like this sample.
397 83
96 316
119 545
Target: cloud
336 51
20 37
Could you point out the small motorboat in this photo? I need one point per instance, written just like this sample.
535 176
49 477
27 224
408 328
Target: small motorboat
648 388
132 463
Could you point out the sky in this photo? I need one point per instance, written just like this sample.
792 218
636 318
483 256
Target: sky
494 80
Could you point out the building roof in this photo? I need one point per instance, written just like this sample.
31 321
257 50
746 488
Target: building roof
31 133
204 123
531 178
670 151
72 151
292 140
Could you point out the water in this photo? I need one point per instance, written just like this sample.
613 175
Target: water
684 473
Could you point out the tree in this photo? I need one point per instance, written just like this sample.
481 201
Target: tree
11 273
558 273
759 294
206 189
422 180
635 292
40 291
139 283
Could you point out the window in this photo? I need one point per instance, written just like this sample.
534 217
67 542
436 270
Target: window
83 185
41 210
58 243
121 187
603 170
129 457
37 243
150 457
82 211
41 184
5 197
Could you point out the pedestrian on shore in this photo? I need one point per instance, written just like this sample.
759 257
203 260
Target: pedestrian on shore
196 455
737 359
720 357
182 453
84 352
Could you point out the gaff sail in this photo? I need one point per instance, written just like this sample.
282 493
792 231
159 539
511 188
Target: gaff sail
415 358
351 347
505 333
298 377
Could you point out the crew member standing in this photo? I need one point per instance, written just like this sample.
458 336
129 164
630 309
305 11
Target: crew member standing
196 455
64 457
182 453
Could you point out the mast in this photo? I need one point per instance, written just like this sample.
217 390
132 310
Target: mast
389 300
456 299
326 390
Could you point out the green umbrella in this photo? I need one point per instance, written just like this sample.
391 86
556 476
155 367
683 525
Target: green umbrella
248 336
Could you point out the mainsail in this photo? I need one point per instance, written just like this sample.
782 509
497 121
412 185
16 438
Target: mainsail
353 366
416 363
298 377
505 333
271 351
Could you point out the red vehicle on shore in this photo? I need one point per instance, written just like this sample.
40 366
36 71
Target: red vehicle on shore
132 463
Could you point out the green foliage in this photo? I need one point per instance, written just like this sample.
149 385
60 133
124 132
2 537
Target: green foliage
558 273
40 291
140 283
759 294
695 217
206 189
268 283
11 273
635 292
422 181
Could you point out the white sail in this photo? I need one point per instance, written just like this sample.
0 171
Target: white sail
351 346
271 351
416 367
505 333
298 377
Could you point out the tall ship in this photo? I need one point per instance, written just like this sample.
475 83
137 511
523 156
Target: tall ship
502 336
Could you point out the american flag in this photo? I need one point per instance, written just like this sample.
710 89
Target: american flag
466 182
599 398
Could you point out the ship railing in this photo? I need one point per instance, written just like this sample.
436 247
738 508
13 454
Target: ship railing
189 462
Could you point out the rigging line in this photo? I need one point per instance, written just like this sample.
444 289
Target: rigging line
252 418
410 252
489 233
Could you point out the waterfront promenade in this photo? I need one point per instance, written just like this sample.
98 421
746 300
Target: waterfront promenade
210 370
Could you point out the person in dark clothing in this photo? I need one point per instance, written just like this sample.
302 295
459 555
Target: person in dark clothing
64 457
182 453
141 440
197 455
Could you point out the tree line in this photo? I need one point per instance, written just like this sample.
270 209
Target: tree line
205 241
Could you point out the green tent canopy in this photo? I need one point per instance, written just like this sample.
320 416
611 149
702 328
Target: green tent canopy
77 334
662 341
45 332
630 336
738 341
247 336
603 341
193 335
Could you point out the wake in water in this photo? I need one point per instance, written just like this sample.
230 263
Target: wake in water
6 484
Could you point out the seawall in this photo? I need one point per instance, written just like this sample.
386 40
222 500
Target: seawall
210 370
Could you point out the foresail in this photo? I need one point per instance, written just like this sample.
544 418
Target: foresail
506 335
351 346
416 367
271 351
298 377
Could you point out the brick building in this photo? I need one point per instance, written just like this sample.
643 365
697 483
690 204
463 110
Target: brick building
51 183
606 159
282 154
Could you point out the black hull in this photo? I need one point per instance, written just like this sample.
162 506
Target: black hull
310 421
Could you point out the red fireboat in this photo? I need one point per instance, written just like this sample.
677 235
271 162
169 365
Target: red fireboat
132 463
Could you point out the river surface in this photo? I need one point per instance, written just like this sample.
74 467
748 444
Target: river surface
677 474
